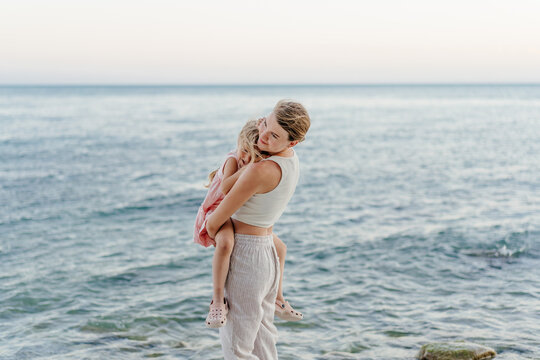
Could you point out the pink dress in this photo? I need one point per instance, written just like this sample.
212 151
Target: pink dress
209 205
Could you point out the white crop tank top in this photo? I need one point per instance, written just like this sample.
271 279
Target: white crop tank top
264 210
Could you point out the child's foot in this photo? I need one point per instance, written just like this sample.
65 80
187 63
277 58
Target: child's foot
217 316
285 311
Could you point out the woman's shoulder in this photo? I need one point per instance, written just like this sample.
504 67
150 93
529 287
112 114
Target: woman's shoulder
264 170
264 176
266 165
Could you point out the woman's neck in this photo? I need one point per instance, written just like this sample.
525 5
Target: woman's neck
287 152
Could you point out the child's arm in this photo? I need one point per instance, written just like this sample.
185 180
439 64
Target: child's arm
230 168
228 181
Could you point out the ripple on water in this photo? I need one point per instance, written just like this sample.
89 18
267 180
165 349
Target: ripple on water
27 302
176 201
337 355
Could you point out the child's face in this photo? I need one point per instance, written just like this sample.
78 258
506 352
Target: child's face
243 157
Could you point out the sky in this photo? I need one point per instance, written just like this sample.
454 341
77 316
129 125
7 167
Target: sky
269 42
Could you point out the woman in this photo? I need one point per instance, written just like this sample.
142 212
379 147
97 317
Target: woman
254 204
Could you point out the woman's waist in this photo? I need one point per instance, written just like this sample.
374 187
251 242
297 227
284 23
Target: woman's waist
246 229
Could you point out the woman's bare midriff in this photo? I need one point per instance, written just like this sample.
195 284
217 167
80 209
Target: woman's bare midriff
246 229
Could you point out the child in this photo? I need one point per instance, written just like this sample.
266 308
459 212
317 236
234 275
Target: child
221 181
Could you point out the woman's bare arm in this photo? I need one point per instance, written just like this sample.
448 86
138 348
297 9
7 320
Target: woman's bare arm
227 184
257 178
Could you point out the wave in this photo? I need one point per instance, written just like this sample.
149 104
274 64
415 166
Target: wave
499 252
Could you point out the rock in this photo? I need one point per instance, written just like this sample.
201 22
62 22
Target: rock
458 350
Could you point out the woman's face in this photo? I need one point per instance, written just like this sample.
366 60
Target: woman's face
272 137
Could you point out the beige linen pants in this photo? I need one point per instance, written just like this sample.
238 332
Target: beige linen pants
251 289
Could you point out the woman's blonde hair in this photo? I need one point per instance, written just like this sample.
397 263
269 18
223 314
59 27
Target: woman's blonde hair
247 140
293 118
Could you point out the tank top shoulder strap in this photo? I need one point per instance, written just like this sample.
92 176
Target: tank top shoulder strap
281 160
287 165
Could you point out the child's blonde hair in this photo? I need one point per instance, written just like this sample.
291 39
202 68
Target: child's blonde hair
247 140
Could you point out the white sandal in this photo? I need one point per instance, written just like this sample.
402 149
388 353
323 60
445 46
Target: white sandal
285 311
217 316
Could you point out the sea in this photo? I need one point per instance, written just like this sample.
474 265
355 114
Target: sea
416 219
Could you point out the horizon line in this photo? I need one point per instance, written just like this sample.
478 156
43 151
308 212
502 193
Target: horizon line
268 84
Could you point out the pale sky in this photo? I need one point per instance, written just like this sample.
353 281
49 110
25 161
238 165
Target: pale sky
270 42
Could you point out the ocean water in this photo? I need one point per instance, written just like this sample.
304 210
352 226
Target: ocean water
416 219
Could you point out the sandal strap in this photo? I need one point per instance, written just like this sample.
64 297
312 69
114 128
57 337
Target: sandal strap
287 306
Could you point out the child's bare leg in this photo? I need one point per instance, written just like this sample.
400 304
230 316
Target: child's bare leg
220 263
281 250
283 310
